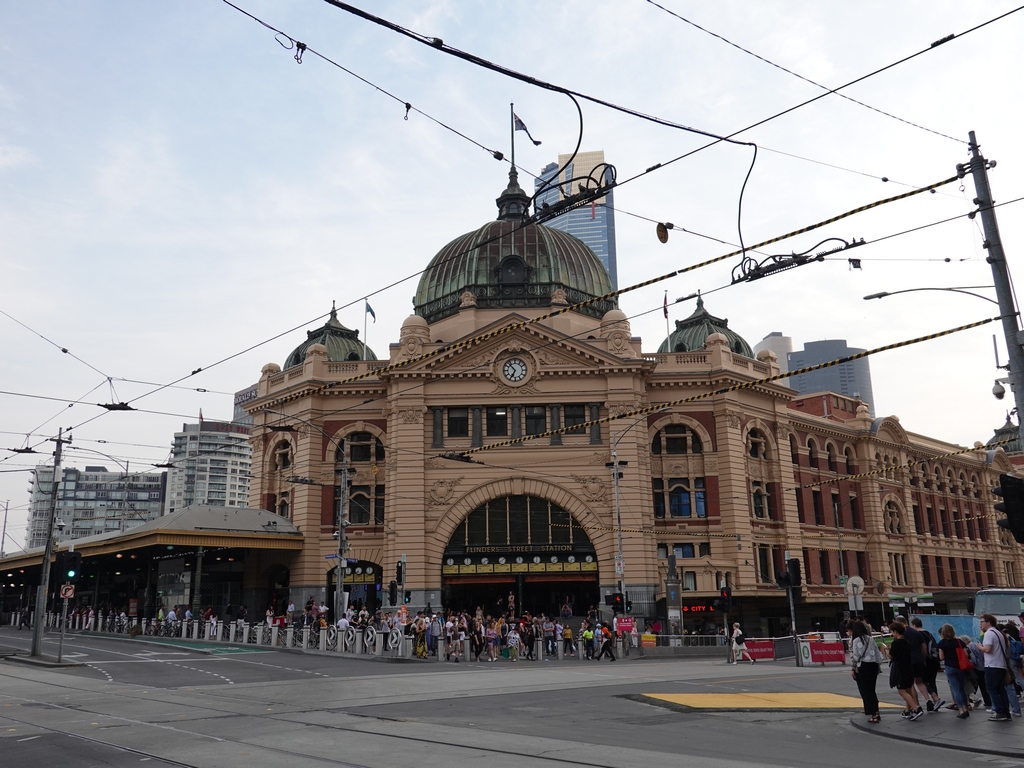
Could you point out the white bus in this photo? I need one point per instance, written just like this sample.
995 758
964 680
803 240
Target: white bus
1005 604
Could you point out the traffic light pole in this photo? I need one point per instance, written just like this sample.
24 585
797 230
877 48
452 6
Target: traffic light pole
44 570
340 598
792 624
1000 274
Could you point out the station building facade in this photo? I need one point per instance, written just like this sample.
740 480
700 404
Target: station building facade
731 484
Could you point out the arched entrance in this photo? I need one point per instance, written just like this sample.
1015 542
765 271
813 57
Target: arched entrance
362 582
524 546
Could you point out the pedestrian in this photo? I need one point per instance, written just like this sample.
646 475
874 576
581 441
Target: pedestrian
739 645
567 649
917 656
994 646
933 703
588 640
606 647
866 660
513 643
901 672
950 652
975 679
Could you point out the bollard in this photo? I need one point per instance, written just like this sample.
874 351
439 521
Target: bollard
560 648
440 648
323 638
305 637
538 649
379 646
359 643
289 636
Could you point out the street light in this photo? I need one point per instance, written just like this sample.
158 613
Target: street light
614 465
340 600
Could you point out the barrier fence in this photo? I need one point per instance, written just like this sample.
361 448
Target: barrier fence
369 641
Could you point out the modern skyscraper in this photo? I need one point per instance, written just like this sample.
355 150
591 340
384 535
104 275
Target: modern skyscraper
852 379
211 466
593 224
782 346
94 500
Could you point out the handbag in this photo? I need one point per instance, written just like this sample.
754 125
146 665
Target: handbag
894 675
962 658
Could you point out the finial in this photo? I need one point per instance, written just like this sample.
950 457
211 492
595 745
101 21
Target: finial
334 312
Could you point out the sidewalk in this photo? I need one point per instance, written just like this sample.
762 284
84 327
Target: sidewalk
942 729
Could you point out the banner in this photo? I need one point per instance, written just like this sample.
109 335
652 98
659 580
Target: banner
761 649
827 652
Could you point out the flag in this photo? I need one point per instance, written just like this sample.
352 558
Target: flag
665 305
200 415
593 209
521 126
370 311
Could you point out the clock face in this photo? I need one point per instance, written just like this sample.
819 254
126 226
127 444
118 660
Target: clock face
514 369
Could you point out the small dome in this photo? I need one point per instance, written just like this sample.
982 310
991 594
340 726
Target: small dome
339 342
504 264
693 332
1009 431
414 321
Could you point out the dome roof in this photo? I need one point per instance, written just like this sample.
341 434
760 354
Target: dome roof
691 333
505 264
342 343
1009 431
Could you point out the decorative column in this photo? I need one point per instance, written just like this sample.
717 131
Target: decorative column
595 429
478 431
517 421
438 427
556 423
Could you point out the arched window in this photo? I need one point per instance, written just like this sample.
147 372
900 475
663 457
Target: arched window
283 507
365 504
830 450
522 520
362 447
794 451
851 465
675 439
757 444
893 518
812 454
283 455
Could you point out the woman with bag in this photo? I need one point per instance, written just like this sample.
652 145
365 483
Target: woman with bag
866 660
901 672
953 655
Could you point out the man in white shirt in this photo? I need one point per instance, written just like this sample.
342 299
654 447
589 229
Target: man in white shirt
994 645
188 614
172 616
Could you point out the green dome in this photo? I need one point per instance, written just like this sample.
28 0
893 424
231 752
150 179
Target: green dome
507 265
342 343
691 333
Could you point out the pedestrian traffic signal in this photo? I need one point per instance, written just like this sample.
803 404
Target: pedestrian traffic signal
618 602
393 593
793 569
725 604
60 565
408 596
73 567
399 574
783 579
1011 491
629 604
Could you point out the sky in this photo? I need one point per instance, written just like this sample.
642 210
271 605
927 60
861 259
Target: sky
177 192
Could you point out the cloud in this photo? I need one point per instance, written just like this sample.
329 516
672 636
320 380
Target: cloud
13 156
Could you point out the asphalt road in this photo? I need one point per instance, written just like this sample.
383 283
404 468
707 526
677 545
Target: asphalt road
136 703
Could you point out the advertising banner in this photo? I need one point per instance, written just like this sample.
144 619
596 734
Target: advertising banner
761 649
827 652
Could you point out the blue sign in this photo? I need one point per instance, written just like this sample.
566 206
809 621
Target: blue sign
331 557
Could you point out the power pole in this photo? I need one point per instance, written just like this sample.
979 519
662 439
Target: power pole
44 571
3 535
340 598
1000 272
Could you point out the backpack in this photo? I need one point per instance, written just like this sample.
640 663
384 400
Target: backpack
932 648
1016 648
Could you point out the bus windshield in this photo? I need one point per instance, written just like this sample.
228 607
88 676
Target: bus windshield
999 603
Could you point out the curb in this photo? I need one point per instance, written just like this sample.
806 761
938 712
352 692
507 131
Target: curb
931 742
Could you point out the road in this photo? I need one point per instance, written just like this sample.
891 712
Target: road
133 703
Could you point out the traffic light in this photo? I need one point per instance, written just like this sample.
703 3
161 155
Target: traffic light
629 604
393 593
60 566
726 602
783 579
73 567
408 596
398 573
793 569
618 602
1011 490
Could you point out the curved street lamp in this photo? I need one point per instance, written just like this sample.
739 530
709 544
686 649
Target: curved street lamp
954 289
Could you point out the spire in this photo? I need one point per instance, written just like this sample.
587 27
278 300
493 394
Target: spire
514 203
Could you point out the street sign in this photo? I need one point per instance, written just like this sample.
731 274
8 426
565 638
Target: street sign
67 591
332 556
620 566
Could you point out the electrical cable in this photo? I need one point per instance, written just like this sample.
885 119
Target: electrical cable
522 324
55 344
732 388
799 76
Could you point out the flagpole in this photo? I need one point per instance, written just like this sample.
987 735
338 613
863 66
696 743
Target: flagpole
512 129
668 333
365 313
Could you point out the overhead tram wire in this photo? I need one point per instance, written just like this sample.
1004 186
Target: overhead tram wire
734 388
65 350
801 77
612 294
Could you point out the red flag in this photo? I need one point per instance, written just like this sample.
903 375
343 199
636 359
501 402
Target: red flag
593 211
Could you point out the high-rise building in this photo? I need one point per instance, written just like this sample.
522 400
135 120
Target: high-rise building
782 346
240 415
852 379
211 466
94 500
594 224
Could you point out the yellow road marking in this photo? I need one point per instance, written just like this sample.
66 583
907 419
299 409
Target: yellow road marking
813 700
